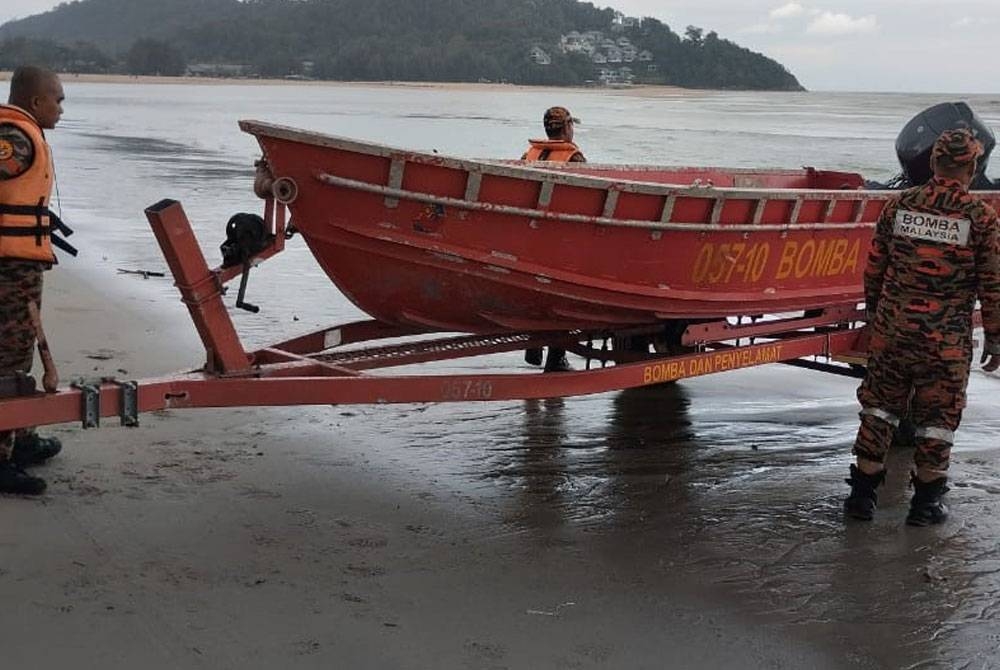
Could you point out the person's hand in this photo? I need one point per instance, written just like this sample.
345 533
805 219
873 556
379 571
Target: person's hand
990 361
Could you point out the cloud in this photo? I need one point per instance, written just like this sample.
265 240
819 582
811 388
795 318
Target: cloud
972 23
760 29
787 11
829 23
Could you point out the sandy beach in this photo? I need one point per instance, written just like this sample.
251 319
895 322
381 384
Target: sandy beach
644 90
310 538
252 539
689 525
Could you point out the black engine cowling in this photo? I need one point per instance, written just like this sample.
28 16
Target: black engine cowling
915 141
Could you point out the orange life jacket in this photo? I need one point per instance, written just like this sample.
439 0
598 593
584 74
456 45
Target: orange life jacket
557 151
26 224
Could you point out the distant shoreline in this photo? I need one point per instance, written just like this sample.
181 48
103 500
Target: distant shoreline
643 89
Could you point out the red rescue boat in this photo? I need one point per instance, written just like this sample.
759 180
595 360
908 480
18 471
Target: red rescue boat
477 246
647 272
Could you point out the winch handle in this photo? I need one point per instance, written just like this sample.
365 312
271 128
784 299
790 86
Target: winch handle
240 302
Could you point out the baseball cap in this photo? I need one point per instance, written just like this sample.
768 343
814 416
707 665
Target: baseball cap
959 147
557 117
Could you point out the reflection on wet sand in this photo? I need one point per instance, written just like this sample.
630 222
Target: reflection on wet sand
732 484
758 527
594 474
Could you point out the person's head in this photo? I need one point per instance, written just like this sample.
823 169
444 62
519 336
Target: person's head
39 92
559 123
955 155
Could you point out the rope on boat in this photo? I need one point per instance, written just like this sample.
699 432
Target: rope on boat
401 194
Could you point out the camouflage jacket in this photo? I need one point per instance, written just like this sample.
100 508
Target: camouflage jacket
936 249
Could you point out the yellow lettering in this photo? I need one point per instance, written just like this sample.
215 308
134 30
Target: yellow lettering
852 257
701 366
821 261
787 262
837 258
802 268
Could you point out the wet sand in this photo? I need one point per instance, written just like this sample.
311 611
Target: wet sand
694 525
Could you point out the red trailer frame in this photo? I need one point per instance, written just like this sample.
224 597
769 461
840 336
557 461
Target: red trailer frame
320 368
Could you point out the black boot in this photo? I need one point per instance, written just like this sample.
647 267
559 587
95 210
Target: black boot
863 499
926 507
13 479
556 361
32 449
533 356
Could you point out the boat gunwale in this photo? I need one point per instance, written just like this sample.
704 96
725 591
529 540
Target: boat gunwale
528 172
550 215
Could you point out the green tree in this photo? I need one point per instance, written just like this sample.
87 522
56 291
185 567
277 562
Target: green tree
417 40
153 57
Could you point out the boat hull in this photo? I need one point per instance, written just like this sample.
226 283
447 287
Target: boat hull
476 246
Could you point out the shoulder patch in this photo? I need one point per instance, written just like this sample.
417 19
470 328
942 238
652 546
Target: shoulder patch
17 152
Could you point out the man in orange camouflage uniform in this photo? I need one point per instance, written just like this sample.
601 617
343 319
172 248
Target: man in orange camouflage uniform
936 248
26 226
558 147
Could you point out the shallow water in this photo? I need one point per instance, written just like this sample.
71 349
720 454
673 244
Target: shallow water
733 479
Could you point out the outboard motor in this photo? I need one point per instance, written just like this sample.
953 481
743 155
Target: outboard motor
915 141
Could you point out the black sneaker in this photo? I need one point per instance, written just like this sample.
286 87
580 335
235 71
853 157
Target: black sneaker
13 479
533 356
926 507
32 449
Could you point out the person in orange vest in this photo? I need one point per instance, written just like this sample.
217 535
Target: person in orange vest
26 239
557 147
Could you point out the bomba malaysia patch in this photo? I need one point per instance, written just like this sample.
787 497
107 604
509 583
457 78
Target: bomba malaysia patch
932 227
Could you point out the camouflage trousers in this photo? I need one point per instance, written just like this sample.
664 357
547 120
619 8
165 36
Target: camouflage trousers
909 380
20 284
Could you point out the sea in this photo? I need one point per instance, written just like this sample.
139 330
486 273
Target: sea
738 474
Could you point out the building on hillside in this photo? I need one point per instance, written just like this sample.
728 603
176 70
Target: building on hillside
621 22
622 76
215 70
571 42
540 56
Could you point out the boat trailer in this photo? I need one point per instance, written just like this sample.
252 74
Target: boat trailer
344 364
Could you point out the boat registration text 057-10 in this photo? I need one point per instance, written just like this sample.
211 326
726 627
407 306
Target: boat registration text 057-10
712 361
750 263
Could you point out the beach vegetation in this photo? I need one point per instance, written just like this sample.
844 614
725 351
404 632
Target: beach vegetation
515 41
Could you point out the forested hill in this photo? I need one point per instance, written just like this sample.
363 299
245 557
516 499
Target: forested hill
518 41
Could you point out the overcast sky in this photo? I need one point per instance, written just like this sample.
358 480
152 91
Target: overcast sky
873 45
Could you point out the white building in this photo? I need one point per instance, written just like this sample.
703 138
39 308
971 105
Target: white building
540 56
